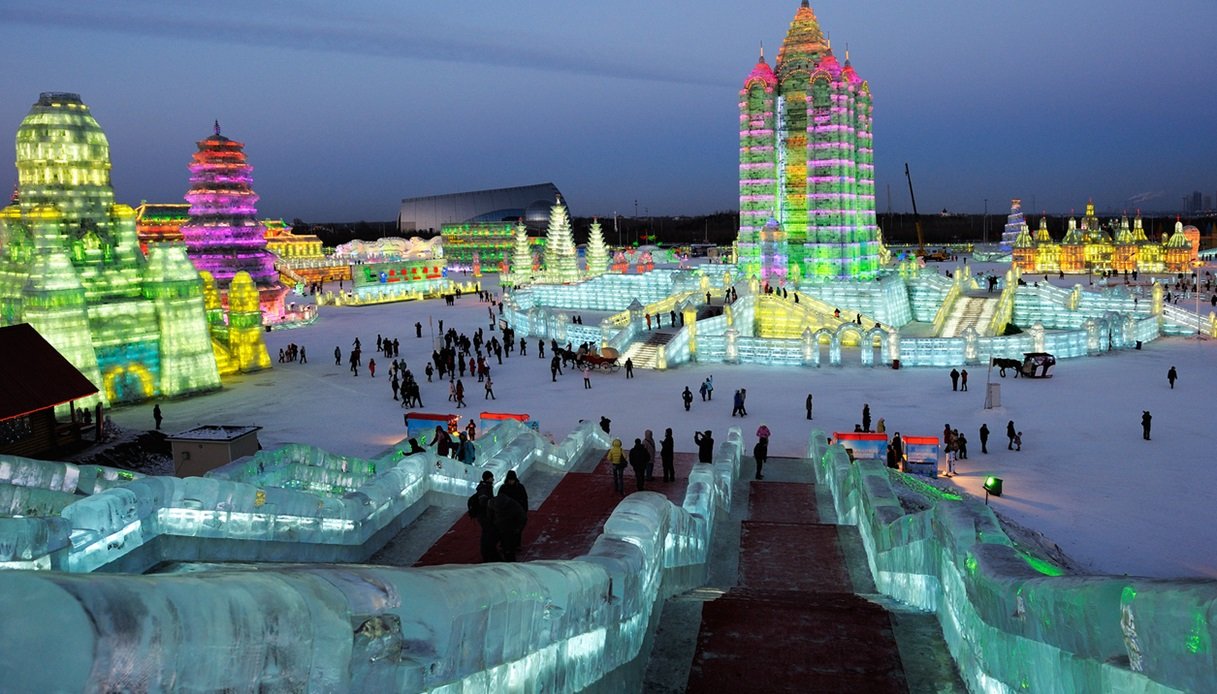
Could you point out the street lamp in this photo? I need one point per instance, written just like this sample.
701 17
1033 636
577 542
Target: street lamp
984 229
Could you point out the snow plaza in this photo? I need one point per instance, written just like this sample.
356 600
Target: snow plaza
340 558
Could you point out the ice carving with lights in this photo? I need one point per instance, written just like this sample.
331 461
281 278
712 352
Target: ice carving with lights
546 625
807 190
597 251
561 259
223 236
71 265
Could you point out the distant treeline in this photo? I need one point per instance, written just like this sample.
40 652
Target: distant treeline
721 228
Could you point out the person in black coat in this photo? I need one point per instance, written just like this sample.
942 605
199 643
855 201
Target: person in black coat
513 487
984 438
687 396
705 446
954 379
667 453
761 453
638 460
1146 419
509 520
485 517
866 417
1011 432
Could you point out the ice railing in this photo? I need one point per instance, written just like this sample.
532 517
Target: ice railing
536 626
259 521
1012 626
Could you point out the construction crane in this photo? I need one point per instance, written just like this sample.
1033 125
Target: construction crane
916 217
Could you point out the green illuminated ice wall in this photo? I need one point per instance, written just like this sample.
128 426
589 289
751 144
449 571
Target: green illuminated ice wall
71 266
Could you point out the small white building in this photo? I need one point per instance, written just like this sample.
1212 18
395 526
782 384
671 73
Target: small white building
201 449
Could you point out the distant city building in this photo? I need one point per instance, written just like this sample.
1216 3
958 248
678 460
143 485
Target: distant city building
430 213
493 243
807 177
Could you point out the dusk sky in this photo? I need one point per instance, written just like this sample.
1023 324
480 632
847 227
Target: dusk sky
345 108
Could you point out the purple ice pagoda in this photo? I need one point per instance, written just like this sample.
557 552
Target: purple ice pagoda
223 235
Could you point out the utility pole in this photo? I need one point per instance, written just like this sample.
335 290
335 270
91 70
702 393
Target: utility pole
616 228
984 229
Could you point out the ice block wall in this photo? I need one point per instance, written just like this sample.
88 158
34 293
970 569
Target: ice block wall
1009 626
537 626
243 513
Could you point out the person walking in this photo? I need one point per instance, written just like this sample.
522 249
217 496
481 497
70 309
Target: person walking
961 445
687 396
1146 419
553 370
1011 433
703 390
710 387
460 394
509 520
737 404
156 415
809 405
617 462
984 438
481 507
372 367
865 416
667 453
761 453
587 376
489 395
954 379
629 368
648 441
963 380
705 446
337 357
465 450
303 355
1171 376
639 460
418 329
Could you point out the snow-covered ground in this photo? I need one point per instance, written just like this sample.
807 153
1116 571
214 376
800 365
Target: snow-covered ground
1085 478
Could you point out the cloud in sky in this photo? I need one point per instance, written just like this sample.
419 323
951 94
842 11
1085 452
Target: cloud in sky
298 26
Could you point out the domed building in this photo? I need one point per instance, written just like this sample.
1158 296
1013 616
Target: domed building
807 178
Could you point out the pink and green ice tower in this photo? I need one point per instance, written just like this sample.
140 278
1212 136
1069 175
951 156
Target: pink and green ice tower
223 236
807 181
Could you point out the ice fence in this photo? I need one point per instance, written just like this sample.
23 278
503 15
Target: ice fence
1009 623
545 625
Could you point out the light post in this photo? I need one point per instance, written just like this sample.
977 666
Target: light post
984 229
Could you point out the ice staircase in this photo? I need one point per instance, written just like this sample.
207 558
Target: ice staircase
970 311
645 353
789 605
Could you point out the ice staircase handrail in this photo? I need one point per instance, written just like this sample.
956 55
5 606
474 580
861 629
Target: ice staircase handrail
1012 626
1005 310
536 626
1192 321
948 305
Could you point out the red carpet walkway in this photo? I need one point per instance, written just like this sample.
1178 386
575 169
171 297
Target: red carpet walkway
569 520
793 624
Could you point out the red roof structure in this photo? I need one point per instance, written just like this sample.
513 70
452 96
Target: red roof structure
33 375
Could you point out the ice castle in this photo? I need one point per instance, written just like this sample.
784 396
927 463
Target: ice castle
71 265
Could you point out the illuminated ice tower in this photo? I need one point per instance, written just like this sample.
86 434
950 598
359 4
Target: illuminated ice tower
224 236
561 258
806 163
1015 224
71 266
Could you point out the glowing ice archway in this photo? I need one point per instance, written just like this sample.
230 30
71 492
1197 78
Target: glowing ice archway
141 371
865 339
